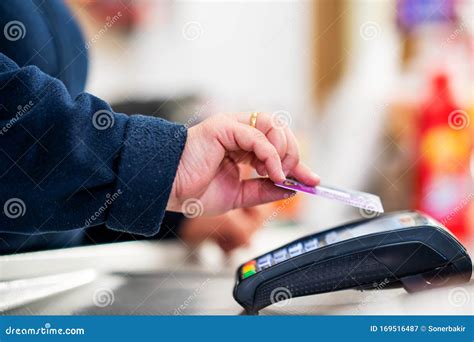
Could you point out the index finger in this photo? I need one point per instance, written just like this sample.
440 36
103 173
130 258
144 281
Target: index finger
304 174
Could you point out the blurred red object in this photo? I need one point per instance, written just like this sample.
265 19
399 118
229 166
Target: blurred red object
443 182
132 13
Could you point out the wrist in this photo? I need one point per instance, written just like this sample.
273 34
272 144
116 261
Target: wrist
173 203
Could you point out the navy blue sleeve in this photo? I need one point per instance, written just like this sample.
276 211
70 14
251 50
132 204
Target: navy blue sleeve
170 229
73 163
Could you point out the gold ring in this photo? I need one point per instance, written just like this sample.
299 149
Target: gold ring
253 119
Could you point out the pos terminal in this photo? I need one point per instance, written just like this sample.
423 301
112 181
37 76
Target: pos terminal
406 249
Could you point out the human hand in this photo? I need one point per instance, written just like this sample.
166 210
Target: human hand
230 230
209 171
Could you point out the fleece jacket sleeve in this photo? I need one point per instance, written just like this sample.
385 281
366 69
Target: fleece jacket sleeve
74 163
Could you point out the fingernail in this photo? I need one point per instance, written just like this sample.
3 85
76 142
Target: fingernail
282 175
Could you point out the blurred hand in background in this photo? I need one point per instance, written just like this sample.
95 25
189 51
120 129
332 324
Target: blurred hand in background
230 231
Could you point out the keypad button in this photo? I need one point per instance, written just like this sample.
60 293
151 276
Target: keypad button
295 249
248 273
311 244
264 262
247 268
332 237
280 255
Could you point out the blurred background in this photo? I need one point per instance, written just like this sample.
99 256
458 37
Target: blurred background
379 93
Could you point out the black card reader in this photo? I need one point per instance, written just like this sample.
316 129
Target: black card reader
406 249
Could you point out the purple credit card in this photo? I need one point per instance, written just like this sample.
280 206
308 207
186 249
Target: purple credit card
355 198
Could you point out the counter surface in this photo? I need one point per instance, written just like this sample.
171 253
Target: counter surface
146 278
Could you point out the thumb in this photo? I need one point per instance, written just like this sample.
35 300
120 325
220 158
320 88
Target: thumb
258 191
